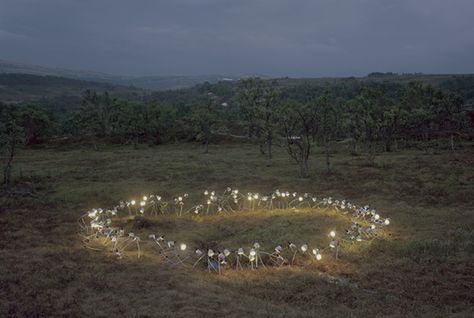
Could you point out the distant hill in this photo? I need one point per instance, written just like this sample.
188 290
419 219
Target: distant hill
145 82
27 87
436 80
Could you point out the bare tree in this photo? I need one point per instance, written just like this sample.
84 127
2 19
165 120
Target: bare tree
11 136
258 101
298 124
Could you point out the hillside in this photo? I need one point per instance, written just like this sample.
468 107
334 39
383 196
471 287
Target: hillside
25 87
146 82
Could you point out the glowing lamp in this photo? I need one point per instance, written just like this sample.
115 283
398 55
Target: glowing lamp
332 233
304 248
253 252
386 222
133 202
182 247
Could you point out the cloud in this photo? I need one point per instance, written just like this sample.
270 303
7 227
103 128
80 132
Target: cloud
275 37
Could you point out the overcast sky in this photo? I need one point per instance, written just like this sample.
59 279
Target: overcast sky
235 37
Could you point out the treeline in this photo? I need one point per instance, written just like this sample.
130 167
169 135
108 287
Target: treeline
369 116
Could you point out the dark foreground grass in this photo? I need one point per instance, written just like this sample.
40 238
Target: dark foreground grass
423 266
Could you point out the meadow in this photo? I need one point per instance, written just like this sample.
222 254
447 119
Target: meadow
423 265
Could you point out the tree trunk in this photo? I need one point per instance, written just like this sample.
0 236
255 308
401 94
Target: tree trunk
261 142
304 169
326 146
135 142
7 170
388 145
354 146
371 153
269 149
206 145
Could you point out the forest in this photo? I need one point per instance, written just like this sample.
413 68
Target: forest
369 116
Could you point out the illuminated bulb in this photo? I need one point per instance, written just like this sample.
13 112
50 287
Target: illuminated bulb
180 198
304 248
372 226
253 252
332 233
318 257
132 202
255 196
208 201
142 210
300 199
210 253
206 192
377 216
249 198
145 198
142 203
182 246
386 222
226 252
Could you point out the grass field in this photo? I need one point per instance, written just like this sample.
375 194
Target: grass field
422 266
